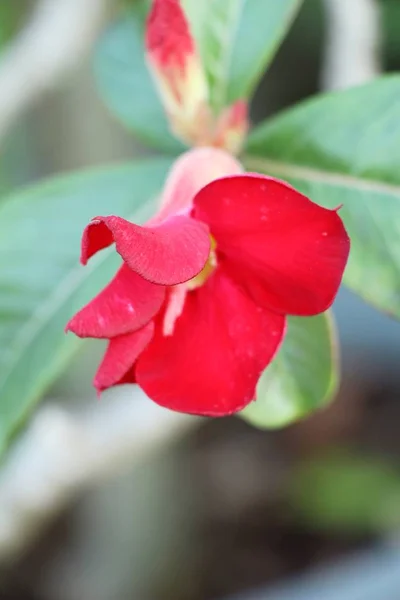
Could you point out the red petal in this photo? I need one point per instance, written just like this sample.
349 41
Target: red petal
220 345
168 37
125 305
120 356
96 236
168 253
190 172
292 251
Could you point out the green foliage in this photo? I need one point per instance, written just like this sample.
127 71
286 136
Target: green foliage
12 15
346 492
301 379
126 86
237 39
41 281
339 148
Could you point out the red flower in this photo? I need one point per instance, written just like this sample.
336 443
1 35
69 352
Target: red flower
198 308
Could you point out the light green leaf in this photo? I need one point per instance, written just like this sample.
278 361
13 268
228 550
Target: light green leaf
301 379
126 86
41 281
344 148
238 40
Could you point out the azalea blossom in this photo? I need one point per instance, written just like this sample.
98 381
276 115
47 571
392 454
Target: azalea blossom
198 308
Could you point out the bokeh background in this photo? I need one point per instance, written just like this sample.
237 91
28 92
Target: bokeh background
222 510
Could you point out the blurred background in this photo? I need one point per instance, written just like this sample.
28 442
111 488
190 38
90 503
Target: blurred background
222 510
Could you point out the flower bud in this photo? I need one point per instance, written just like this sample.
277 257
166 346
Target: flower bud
178 72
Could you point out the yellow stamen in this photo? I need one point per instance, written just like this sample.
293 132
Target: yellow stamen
207 270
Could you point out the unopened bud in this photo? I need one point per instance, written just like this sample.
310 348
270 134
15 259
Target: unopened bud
177 69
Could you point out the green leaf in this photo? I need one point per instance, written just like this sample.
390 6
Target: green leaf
238 39
301 379
11 18
344 492
41 281
344 148
126 86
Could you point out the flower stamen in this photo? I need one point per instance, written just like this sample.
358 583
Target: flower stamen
207 270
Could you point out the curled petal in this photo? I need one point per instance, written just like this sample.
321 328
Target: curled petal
125 305
168 253
211 364
289 252
96 236
120 356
